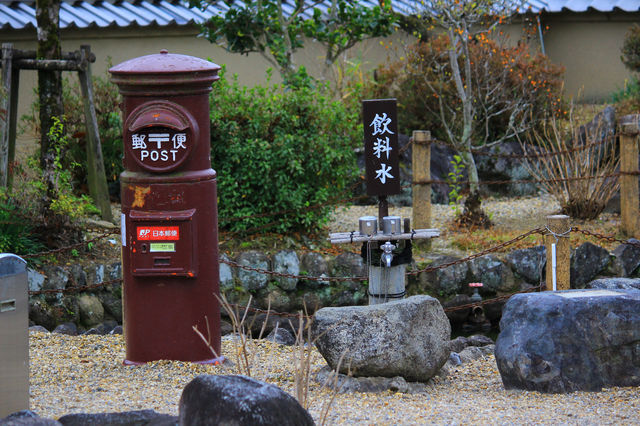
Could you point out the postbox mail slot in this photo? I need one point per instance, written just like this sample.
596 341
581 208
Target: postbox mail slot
163 243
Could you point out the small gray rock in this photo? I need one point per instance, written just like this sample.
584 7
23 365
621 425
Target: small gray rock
628 256
314 265
129 418
587 261
454 358
67 328
251 280
282 336
90 309
35 279
528 263
286 262
227 281
492 273
343 383
471 353
27 418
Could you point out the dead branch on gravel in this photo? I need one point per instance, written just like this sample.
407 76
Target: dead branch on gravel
244 351
302 360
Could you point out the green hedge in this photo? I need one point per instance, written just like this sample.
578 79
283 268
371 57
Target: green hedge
280 149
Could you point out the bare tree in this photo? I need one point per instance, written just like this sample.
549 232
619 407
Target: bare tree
478 89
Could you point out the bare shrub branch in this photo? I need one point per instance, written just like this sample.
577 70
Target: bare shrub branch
579 198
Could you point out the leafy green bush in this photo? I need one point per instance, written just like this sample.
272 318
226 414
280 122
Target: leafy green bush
17 234
631 49
42 202
500 73
627 99
279 149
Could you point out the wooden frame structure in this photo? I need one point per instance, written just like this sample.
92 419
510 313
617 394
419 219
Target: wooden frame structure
14 60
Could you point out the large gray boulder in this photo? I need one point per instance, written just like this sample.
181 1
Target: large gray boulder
407 338
238 400
574 340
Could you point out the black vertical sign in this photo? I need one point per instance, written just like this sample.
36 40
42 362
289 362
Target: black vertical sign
381 146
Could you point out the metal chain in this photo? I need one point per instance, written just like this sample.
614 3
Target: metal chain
75 289
263 311
283 275
71 247
480 254
605 237
541 154
494 300
331 202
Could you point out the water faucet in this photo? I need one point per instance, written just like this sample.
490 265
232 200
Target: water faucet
387 253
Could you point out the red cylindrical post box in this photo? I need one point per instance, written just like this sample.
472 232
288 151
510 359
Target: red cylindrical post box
169 209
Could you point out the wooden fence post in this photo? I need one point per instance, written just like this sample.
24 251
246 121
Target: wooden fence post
5 111
629 129
421 165
557 242
95 164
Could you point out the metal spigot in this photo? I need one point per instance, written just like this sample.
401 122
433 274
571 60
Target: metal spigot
387 253
475 297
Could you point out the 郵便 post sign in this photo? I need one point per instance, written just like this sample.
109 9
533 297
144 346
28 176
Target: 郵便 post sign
159 148
382 162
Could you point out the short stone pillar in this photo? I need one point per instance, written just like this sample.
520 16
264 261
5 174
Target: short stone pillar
14 335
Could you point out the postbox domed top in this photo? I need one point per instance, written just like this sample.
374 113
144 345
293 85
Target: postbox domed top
164 63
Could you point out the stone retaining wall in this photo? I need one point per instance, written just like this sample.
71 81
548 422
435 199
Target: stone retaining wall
504 274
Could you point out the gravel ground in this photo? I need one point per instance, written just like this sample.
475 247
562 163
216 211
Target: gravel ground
85 374
512 213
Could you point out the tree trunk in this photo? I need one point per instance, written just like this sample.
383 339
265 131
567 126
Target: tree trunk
472 171
49 82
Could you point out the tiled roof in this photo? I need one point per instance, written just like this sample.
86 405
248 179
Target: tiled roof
597 5
143 13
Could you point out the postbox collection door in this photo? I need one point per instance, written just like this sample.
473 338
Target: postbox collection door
163 243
